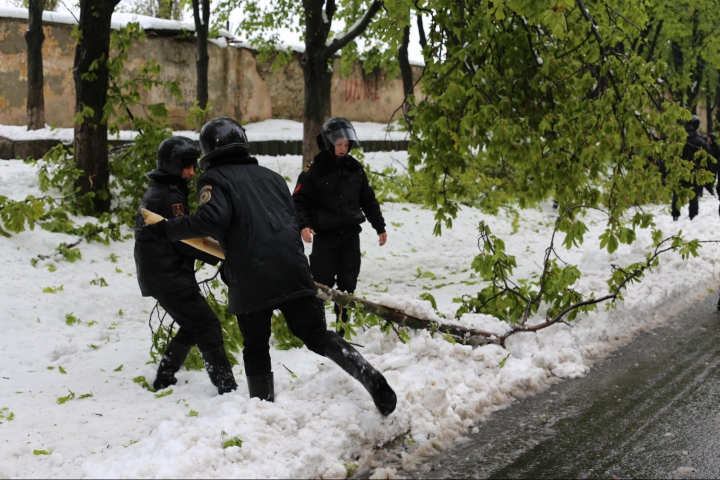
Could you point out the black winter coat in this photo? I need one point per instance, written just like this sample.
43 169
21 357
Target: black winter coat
249 210
333 196
165 267
693 144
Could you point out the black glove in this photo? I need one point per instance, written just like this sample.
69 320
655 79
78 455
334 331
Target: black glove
222 273
157 231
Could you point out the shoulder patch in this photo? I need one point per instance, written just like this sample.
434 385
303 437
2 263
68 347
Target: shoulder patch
178 209
205 195
307 166
297 189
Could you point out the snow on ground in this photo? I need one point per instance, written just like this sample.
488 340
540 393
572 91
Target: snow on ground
322 419
283 130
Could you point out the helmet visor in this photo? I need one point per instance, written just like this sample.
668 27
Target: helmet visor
341 134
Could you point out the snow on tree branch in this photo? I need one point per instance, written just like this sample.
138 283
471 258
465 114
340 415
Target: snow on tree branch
353 32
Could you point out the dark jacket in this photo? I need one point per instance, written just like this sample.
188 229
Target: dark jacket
249 210
333 196
165 267
693 144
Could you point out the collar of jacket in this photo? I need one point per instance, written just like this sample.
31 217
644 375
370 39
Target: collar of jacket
164 177
233 153
325 163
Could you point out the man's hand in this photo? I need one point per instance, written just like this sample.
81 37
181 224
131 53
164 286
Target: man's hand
307 234
382 238
158 231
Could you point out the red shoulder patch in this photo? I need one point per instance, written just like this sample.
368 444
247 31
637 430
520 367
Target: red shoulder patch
297 189
178 209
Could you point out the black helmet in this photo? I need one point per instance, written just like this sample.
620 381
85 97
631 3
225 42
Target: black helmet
176 153
335 129
693 124
222 133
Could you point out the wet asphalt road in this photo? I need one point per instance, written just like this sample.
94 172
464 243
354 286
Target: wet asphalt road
646 411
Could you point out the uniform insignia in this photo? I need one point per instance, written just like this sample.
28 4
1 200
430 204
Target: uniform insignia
205 195
297 189
307 167
178 209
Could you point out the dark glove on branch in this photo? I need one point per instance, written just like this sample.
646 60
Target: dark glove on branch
157 231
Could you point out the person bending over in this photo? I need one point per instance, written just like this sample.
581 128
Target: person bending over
165 270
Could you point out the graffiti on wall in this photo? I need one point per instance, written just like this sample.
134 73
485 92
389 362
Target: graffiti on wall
367 89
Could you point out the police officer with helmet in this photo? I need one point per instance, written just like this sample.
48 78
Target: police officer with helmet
165 270
332 198
250 211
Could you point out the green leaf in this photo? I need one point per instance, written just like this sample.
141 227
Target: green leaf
143 383
53 289
62 400
192 413
233 442
41 452
118 369
71 319
164 394
62 370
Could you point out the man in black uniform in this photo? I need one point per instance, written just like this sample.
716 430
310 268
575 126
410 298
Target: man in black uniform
693 144
165 270
332 198
249 210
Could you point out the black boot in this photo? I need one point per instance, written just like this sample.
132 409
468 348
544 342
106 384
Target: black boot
219 370
262 387
175 355
342 353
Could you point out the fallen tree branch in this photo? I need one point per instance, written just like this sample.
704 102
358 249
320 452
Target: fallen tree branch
401 318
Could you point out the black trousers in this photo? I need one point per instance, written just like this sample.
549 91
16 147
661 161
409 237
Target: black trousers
305 319
198 323
693 204
335 258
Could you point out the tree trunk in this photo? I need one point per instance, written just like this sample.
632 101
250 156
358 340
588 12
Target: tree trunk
318 81
405 68
317 75
35 37
201 29
91 142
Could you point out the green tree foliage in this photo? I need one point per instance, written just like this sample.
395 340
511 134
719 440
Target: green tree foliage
531 100
684 35
527 101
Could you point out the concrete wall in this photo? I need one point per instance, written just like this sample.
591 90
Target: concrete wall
239 87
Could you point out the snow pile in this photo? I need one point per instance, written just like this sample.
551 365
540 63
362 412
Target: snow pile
74 346
267 130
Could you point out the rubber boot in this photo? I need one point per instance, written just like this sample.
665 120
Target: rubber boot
342 353
175 355
219 370
262 387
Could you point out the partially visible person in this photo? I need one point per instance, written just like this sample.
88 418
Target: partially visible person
693 144
332 199
714 159
165 270
250 211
